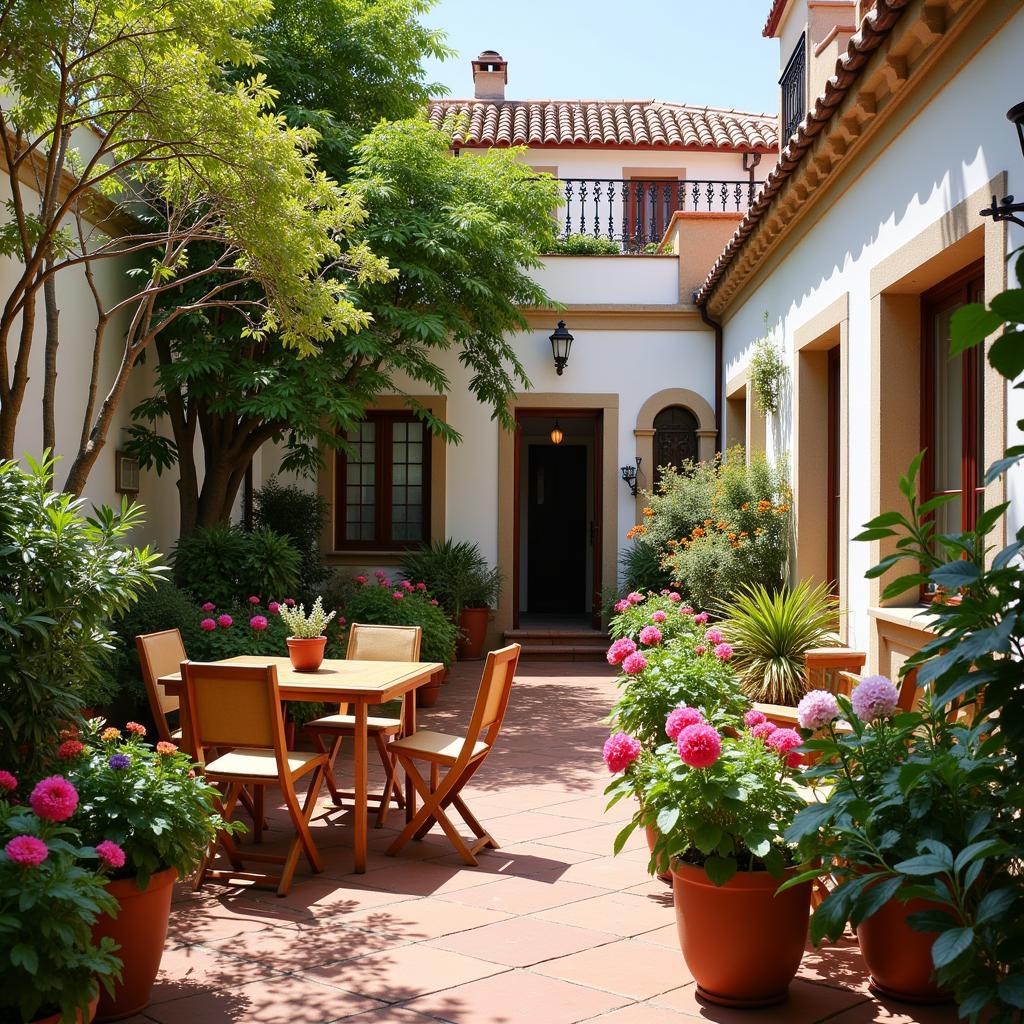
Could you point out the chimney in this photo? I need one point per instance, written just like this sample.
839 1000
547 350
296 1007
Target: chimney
490 75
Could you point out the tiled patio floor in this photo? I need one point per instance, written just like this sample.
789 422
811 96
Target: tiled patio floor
549 929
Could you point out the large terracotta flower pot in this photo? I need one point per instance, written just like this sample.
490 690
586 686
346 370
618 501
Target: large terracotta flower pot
307 654
426 696
54 1018
140 929
741 941
472 632
652 836
898 958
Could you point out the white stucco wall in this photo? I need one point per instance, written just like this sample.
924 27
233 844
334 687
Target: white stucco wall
951 150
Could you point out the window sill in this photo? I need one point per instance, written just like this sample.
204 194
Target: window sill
361 556
918 617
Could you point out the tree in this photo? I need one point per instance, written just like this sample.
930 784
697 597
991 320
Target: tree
462 235
123 138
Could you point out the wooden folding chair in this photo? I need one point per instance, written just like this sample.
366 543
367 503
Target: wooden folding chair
369 643
160 654
461 755
826 668
239 707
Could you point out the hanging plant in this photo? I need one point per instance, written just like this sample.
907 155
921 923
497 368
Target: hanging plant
767 373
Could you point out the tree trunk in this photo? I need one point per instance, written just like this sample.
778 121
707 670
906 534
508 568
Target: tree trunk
14 395
50 360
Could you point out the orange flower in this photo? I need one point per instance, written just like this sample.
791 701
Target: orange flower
636 531
698 532
707 522
723 525
735 543
764 506
731 536
758 532
745 506
648 512
672 543
110 734
743 533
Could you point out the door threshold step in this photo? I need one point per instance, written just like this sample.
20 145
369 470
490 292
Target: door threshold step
578 637
562 652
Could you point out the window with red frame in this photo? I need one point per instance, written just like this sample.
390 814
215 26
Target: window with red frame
952 407
382 486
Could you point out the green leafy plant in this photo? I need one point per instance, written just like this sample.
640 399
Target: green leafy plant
303 626
299 515
52 891
771 633
456 574
584 245
640 568
63 576
768 373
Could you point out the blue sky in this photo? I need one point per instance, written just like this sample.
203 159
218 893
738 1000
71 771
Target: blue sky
690 51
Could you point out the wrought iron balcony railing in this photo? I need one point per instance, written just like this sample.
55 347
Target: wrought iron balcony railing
794 90
632 215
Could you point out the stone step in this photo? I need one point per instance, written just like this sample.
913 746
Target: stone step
575 637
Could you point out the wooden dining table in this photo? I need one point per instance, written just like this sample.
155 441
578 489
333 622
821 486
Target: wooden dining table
359 684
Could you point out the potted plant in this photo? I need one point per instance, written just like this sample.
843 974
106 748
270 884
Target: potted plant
51 895
720 801
307 635
156 818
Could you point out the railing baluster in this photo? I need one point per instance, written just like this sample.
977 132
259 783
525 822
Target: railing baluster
611 202
597 215
568 207
625 215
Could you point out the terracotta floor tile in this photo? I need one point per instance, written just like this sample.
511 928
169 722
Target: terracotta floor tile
284 998
404 973
619 913
517 997
875 1011
206 924
641 1013
185 970
667 936
622 968
595 809
526 860
423 878
522 941
807 1004
599 839
839 964
390 1015
417 920
523 895
608 873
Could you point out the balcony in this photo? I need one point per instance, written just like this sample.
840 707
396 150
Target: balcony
794 90
616 215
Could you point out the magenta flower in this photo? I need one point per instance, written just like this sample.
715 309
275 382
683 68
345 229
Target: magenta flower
700 618
700 649
699 745
110 854
723 652
258 622
620 650
254 599
763 730
816 709
225 621
54 798
874 698
361 580
620 751
665 592
398 595
685 609
680 719
421 585
674 597
273 607
342 620
434 601
290 601
380 574
713 636
635 597
27 851
208 624
407 586
621 606
752 718
659 616
209 606
650 635
8 783
783 742
633 664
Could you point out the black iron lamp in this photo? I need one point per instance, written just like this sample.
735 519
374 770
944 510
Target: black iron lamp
629 474
561 342
1006 208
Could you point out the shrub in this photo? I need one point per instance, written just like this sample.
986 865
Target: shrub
771 633
585 245
300 516
226 564
641 569
456 574
63 577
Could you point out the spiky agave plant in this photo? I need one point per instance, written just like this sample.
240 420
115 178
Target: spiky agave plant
771 633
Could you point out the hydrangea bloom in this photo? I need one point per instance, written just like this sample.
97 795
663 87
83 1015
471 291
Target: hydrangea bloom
620 751
620 650
685 609
659 616
635 597
54 798
208 624
136 729
27 851
752 718
723 652
110 854
681 718
634 664
290 601
874 698
713 636
380 574
254 599
699 745
763 730
783 741
69 749
8 783
166 748
119 762
700 649
700 618
361 580
650 635
258 622
421 585
816 709
209 606
674 597
225 621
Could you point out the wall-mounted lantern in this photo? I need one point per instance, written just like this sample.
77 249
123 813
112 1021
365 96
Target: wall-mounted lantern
561 342
126 473
629 474
1006 208
556 434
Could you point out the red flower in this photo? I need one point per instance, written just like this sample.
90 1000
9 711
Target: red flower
136 729
70 749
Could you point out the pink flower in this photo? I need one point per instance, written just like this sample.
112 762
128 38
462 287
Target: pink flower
273 607
621 606
874 698
635 597
713 636
208 624
165 748
674 597
650 635
620 650
700 649
752 718
816 709
685 609
763 730
699 745
782 741
665 592
136 729
723 652
27 851
254 599
398 595
54 798
659 616
225 621
8 783
620 751
633 664
209 606
380 574
110 854
342 620
421 585
258 622
434 601
290 601
70 749
680 719
700 618
361 580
